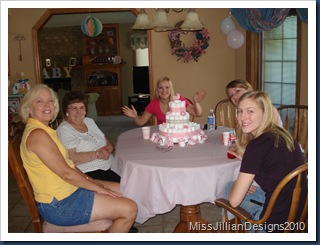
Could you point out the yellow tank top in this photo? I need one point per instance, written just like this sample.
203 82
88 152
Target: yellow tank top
45 183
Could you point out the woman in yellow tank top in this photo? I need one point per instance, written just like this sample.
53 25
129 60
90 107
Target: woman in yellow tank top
65 195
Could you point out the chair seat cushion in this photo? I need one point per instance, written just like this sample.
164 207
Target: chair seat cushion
96 226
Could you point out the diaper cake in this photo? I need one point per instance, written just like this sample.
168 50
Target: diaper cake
178 128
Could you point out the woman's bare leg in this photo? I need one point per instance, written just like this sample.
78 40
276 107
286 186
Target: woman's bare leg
122 211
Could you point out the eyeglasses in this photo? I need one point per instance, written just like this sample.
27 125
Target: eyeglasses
74 109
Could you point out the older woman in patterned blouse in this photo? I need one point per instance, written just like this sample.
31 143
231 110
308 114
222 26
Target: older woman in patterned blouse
88 147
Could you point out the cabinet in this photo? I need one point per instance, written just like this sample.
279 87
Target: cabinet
103 48
106 81
101 75
58 83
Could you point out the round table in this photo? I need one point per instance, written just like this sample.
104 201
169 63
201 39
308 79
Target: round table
157 181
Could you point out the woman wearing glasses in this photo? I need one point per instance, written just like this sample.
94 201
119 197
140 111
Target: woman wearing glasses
87 145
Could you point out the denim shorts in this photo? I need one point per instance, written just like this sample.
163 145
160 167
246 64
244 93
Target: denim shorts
75 209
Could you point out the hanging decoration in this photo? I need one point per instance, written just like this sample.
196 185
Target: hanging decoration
193 52
91 26
227 25
20 38
260 19
235 38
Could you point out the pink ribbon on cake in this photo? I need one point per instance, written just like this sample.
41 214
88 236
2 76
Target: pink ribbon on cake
177 109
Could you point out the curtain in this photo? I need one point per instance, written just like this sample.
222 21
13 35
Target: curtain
258 20
139 39
303 15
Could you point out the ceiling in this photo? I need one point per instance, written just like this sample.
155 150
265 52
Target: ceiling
63 20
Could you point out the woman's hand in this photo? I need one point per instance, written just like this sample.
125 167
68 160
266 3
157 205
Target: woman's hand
252 189
104 188
103 153
199 96
106 191
234 153
129 112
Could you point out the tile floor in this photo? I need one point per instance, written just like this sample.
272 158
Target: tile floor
20 221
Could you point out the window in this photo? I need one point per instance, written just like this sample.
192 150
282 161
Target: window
278 71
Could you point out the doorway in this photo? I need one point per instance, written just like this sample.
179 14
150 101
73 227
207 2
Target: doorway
63 16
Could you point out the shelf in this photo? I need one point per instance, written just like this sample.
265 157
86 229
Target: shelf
105 46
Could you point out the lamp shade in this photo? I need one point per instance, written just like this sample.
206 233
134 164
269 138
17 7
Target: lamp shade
160 22
235 39
142 21
227 25
91 27
192 22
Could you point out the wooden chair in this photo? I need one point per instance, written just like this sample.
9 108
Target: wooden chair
295 120
242 215
26 191
55 123
225 114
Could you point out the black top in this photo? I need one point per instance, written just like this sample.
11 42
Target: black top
271 164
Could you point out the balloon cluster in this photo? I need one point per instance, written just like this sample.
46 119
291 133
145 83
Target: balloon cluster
235 37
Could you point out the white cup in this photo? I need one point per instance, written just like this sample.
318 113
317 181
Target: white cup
225 136
146 133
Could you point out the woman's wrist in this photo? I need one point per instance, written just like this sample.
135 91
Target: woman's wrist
96 154
110 148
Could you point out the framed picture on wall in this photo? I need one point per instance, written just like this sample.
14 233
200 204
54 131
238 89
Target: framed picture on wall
72 61
14 103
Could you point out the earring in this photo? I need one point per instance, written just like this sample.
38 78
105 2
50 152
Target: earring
67 114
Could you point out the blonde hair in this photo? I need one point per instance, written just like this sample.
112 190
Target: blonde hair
156 93
263 101
30 96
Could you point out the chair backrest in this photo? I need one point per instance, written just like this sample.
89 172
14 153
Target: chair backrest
225 114
297 174
26 191
55 123
295 120
22 179
191 116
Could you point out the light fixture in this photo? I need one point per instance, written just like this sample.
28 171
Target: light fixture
192 22
161 22
142 21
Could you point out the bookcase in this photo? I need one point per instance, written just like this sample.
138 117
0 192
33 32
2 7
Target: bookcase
101 75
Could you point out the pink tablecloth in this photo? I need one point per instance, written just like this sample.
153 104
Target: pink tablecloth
159 181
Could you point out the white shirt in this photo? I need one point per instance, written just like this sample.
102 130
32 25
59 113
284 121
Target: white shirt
85 142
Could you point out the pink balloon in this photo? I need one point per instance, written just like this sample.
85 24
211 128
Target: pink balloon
227 25
235 39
